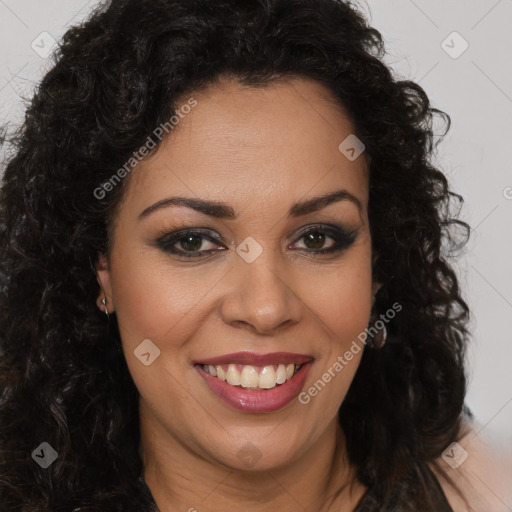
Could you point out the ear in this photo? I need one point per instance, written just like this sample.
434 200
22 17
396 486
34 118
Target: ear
104 280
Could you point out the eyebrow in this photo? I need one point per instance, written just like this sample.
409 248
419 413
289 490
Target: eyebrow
220 210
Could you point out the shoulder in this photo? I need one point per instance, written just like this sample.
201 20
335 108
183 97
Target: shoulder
480 465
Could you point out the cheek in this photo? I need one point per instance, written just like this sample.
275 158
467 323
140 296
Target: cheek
341 303
157 301
340 298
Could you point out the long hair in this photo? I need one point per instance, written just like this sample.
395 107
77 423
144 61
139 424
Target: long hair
114 78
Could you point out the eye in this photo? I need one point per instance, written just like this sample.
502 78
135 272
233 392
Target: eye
316 236
188 243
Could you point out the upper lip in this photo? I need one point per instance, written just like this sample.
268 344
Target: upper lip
251 358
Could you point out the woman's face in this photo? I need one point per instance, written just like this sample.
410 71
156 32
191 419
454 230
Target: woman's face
255 293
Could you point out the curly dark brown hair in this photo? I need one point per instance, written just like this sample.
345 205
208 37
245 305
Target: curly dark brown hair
115 77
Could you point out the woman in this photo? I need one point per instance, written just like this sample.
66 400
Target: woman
223 284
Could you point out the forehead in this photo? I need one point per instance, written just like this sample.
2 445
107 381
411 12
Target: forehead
240 142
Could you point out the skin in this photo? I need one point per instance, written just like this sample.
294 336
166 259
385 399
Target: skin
260 150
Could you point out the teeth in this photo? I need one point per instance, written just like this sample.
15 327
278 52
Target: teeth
233 376
268 378
221 374
249 377
253 377
281 374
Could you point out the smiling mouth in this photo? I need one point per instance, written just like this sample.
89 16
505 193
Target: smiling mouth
251 376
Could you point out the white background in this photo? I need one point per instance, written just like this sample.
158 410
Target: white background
475 89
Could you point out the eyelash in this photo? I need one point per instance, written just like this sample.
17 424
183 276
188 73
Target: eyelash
343 239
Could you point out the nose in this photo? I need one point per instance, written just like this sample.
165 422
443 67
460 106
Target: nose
261 297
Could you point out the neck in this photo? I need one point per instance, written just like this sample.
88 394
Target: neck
181 480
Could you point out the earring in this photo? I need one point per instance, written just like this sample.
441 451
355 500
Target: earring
104 303
380 340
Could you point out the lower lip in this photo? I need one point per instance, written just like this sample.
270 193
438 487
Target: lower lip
251 400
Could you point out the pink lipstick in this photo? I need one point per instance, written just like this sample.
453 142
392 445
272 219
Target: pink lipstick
253 382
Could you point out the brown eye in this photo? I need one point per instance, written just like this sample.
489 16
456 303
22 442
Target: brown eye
316 237
187 243
191 243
